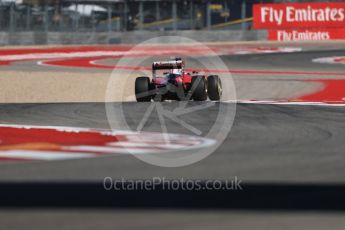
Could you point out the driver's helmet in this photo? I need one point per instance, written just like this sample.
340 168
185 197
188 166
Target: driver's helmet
177 71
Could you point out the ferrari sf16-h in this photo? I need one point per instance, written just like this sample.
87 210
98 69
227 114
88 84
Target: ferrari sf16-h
174 83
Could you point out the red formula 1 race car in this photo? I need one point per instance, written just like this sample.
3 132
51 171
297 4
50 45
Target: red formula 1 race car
176 84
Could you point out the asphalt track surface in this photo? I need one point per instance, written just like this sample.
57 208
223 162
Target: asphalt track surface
289 157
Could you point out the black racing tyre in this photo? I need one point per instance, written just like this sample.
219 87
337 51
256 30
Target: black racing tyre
198 88
214 88
142 88
180 93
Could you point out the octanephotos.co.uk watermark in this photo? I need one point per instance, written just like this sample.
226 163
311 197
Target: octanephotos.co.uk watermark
161 183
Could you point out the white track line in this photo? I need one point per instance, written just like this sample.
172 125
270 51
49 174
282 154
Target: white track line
301 103
329 60
43 155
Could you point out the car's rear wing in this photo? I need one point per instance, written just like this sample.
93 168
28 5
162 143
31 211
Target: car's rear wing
176 64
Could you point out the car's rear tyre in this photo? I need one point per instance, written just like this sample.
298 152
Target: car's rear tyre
198 88
142 88
180 93
214 88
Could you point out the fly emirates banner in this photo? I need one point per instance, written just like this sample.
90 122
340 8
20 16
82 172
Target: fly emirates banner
301 21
